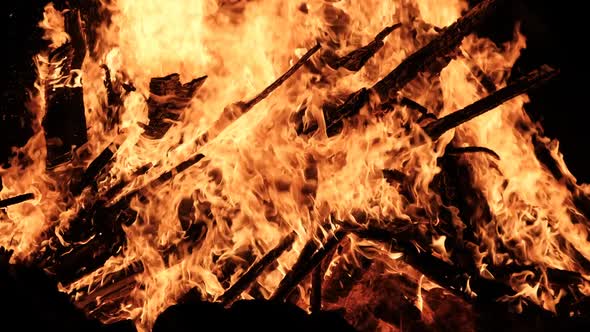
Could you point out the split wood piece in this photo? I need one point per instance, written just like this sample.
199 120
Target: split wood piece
230 114
65 122
290 281
431 58
356 59
110 285
168 98
16 199
97 165
437 128
303 259
256 270
437 53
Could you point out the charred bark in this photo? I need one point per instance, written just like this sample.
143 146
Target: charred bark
431 58
437 128
65 121
168 99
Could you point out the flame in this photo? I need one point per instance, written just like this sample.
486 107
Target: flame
259 180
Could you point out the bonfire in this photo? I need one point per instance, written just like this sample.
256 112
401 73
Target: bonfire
367 158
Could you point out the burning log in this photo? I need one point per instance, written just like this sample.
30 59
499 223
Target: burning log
356 59
65 121
304 267
114 100
436 128
246 106
16 200
431 58
168 98
97 165
256 269
435 55
229 115
114 285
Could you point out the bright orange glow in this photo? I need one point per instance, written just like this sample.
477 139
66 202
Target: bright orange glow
260 180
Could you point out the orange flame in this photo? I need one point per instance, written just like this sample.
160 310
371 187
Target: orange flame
261 181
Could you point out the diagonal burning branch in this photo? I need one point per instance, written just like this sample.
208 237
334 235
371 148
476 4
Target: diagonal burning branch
436 128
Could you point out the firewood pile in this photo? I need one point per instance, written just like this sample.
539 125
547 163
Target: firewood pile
416 265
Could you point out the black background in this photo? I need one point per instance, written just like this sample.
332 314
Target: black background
549 26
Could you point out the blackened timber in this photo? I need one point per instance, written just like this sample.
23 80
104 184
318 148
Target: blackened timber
287 285
304 257
168 98
440 49
65 122
110 284
16 200
256 269
356 59
431 58
96 166
114 101
437 128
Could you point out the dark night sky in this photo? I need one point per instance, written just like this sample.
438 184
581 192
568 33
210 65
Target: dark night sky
556 105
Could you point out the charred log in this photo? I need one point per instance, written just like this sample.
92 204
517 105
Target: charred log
317 279
96 166
230 114
431 58
168 98
437 128
65 121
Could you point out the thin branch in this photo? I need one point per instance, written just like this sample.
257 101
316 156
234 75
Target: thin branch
279 81
16 199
